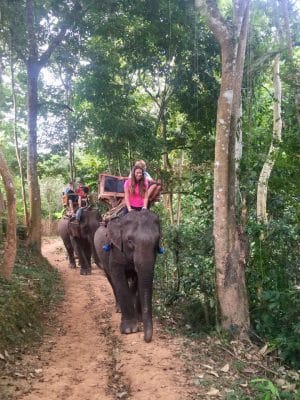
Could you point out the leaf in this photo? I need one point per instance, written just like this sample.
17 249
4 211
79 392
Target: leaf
207 366
213 373
121 395
225 368
38 371
213 392
263 350
290 387
19 375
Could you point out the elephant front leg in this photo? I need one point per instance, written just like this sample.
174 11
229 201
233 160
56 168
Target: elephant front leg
86 266
70 251
129 320
84 255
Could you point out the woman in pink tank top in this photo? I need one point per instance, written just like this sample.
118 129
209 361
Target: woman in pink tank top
136 190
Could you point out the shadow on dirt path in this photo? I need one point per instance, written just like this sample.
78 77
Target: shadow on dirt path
86 358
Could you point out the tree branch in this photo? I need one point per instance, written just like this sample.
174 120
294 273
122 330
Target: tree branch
221 29
60 36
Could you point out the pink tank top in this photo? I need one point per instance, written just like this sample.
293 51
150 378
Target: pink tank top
135 199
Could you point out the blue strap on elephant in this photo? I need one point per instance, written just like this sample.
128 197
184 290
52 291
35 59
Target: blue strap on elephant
106 247
161 250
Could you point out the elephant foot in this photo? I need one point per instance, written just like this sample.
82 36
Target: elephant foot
129 326
118 308
85 271
148 332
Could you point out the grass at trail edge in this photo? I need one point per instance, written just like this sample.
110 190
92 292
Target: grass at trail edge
25 301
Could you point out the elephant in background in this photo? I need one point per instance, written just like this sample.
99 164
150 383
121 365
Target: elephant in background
133 243
81 236
63 231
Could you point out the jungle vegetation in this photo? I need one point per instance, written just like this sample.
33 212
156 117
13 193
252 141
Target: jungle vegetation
208 93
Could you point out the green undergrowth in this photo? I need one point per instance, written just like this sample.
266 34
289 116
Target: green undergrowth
187 318
251 374
26 300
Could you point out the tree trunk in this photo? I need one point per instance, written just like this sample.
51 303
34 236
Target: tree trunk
34 64
34 231
288 36
180 162
2 207
9 256
229 238
262 188
70 152
167 197
33 70
18 155
67 86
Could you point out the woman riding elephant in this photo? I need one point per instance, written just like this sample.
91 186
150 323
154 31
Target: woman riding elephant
136 190
133 243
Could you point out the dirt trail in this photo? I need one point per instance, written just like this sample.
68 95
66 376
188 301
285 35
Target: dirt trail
88 359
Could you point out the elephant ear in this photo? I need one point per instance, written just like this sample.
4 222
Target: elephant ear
114 231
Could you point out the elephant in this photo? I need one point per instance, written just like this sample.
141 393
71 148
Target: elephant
63 231
132 242
78 237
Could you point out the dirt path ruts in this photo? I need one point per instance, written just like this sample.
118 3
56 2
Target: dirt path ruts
88 359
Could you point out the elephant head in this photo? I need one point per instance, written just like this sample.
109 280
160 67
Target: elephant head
134 242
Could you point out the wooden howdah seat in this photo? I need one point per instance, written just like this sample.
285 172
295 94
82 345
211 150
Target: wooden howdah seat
111 192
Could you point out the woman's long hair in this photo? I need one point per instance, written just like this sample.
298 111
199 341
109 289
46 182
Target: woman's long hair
134 182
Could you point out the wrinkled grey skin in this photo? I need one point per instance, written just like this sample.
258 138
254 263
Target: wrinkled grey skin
129 266
63 232
82 239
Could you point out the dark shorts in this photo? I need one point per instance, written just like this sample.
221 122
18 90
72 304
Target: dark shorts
133 208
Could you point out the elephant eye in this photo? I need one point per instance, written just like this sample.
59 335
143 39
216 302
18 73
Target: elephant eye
130 243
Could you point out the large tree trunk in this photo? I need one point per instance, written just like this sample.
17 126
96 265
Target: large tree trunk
229 238
262 188
9 256
33 70
34 64
34 231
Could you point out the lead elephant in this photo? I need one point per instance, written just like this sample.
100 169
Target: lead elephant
133 242
81 237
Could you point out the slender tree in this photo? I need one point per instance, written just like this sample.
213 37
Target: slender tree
262 188
16 139
229 238
8 261
288 38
